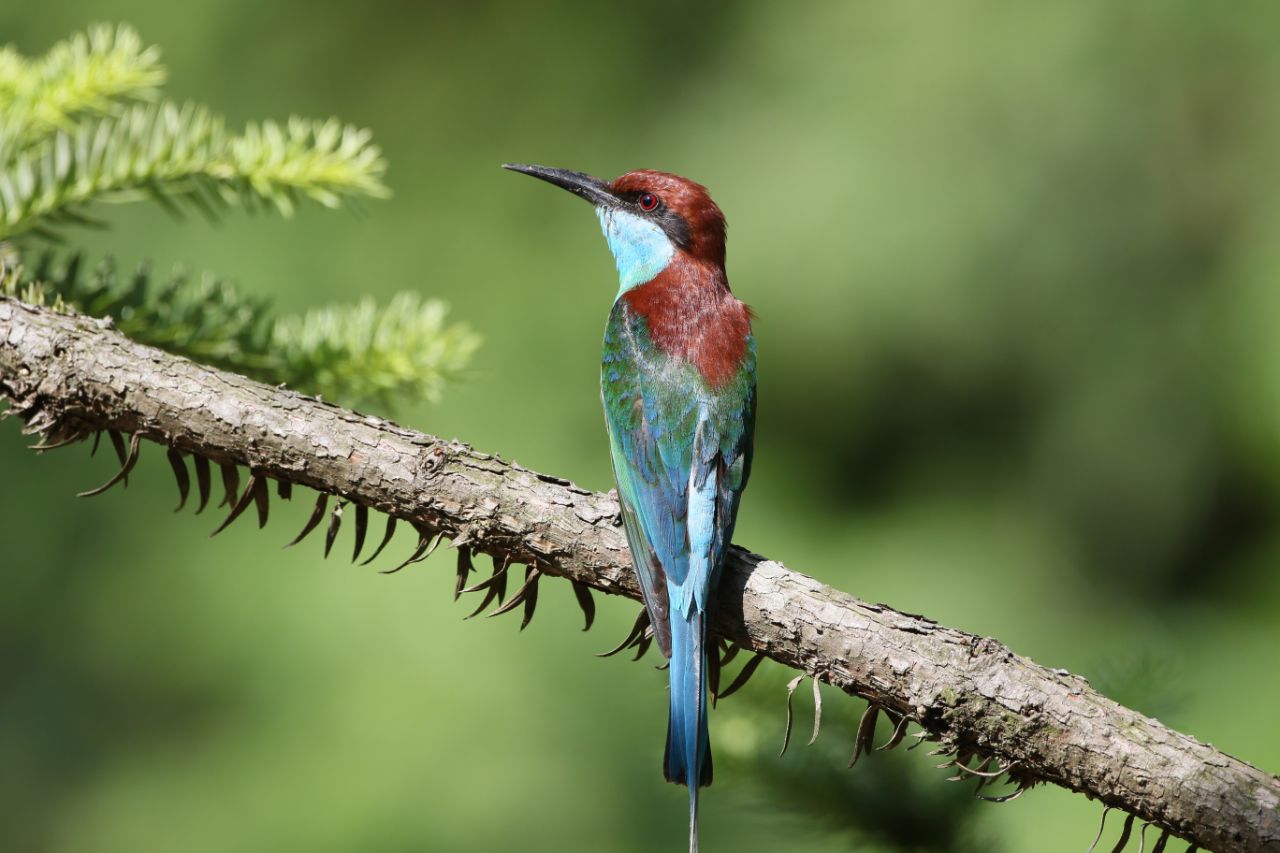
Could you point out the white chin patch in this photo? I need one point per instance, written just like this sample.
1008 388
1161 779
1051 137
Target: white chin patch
641 248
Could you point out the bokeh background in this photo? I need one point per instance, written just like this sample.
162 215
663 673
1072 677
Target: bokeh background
1015 267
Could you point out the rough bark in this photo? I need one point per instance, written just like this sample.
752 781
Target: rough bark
72 375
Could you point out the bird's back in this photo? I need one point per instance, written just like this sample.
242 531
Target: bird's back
680 407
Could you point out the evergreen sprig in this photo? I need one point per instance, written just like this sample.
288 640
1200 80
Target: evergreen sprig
91 72
183 156
358 354
375 353
84 124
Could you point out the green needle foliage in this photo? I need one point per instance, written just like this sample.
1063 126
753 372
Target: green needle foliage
357 354
89 73
87 123
370 353
182 156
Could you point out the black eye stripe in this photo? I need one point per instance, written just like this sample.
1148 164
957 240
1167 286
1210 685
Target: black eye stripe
671 222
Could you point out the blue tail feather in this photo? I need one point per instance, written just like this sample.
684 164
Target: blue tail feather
688 755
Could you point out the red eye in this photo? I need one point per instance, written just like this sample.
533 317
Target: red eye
648 202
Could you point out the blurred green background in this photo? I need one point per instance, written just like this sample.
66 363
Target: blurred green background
1015 270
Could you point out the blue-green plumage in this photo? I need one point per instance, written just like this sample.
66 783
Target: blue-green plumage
681 456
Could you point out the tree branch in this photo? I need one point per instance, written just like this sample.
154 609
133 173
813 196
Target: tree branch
70 376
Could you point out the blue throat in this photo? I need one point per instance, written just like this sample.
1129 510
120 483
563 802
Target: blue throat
640 248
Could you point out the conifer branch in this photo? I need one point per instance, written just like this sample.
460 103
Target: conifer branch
92 72
994 713
183 158
362 353
85 123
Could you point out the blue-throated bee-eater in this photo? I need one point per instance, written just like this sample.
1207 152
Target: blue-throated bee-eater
678 381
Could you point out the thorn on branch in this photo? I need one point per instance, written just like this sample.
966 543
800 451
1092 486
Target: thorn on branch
817 710
791 689
495 586
425 547
864 737
633 636
322 503
335 523
642 645
713 670
1161 842
203 480
1125 832
982 768
498 576
180 474
532 575
117 443
527 595
126 465
386 537
248 496
261 498
744 675
1023 787
465 568
1101 826
980 772
284 490
899 731
582 593
960 756
42 446
362 527
230 483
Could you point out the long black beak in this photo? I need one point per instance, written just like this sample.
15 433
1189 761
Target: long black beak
583 186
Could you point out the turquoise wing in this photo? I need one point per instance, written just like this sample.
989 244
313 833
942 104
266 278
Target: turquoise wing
681 457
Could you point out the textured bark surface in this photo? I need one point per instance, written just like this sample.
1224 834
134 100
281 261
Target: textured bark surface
69 374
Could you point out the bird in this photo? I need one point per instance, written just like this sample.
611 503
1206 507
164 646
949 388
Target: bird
678 384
